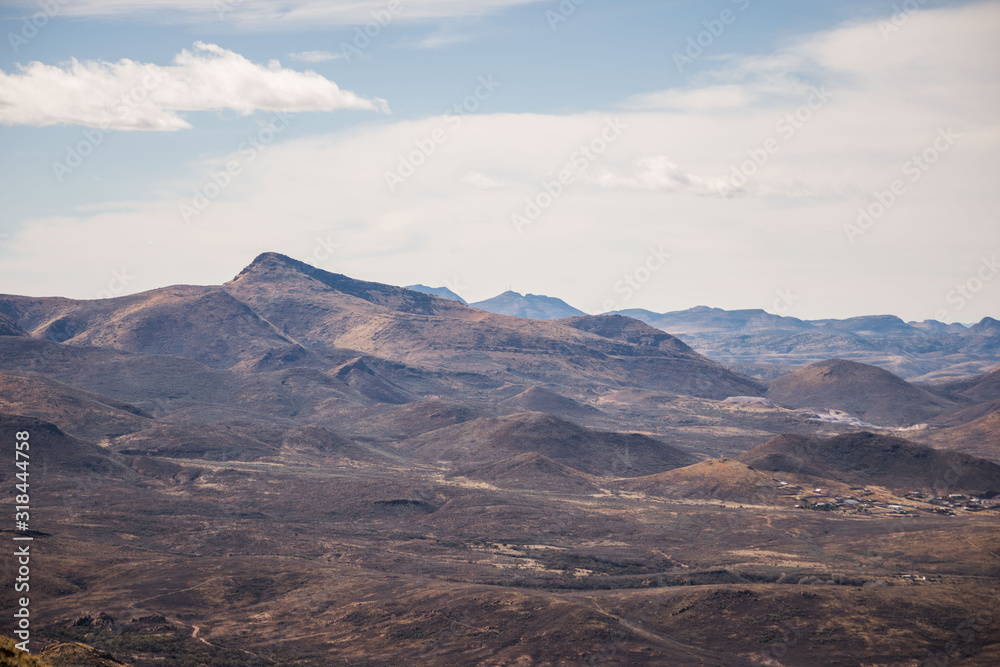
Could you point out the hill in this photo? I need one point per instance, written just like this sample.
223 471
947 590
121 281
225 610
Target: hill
204 324
8 327
442 292
981 388
79 412
713 479
975 431
862 458
531 306
539 399
594 452
875 395
52 450
530 471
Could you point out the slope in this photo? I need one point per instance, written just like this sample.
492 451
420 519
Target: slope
873 394
594 452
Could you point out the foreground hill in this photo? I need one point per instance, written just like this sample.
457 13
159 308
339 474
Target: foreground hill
862 458
593 452
51 450
873 394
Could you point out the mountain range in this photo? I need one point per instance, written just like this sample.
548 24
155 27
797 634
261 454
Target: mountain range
764 345
383 471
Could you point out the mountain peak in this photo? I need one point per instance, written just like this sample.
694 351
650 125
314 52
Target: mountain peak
530 306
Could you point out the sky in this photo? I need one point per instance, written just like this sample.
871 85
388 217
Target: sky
816 160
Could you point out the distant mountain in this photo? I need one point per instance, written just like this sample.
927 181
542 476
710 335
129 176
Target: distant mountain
872 326
705 320
862 458
760 344
936 328
985 327
873 394
442 292
531 306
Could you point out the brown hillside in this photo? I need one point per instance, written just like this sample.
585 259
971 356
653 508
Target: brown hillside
879 459
981 388
713 479
530 471
78 412
875 395
594 452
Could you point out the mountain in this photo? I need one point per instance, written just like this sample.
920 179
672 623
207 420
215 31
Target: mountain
933 327
986 327
531 306
8 327
387 475
594 452
873 326
442 292
328 313
875 395
530 471
863 458
764 345
705 320
204 324
980 388
713 479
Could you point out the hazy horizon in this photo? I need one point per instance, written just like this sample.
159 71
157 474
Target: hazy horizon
815 162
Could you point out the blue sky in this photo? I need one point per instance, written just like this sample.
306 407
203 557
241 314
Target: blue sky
874 84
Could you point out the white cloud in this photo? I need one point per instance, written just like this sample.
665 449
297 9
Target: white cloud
314 56
291 14
656 173
887 101
481 181
139 96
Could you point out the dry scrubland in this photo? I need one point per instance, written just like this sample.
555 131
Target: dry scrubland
297 468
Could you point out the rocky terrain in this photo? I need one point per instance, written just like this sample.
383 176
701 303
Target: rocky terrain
299 468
